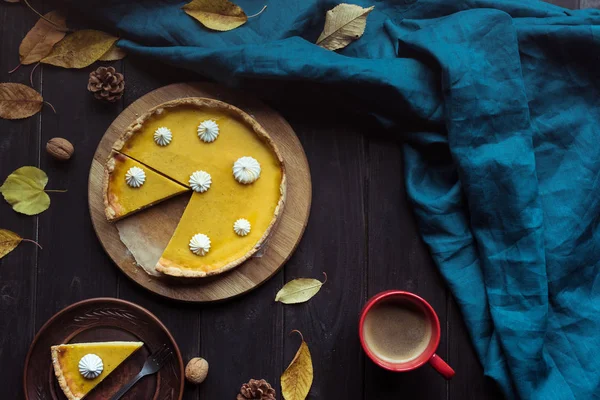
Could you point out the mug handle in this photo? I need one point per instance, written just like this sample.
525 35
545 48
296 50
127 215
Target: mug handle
441 366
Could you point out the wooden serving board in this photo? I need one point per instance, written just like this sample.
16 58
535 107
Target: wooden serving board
163 217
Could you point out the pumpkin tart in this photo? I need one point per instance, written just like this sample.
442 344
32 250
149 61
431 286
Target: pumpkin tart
212 211
66 358
121 199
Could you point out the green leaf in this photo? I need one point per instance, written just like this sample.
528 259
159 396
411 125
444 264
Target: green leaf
24 190
299 290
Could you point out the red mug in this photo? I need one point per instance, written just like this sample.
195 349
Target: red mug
427 355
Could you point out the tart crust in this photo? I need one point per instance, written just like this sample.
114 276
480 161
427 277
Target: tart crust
169 267
60 376
109 209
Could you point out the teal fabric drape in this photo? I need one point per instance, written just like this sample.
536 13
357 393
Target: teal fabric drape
502 160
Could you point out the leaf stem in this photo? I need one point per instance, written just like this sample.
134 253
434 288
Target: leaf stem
56 191
51 106
325 278
15 68
34 242
58 27
299 333
31 78
255 15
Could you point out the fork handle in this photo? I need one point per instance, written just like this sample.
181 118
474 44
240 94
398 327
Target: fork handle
126 388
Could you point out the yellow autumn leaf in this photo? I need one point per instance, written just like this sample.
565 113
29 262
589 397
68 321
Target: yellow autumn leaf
10 240
113 54
297 379
299 290
24 190
80 49
344 24
218 15
39 41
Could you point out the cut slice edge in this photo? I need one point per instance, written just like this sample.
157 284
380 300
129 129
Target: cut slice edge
157 188
120 145
64 367
186 184
174 269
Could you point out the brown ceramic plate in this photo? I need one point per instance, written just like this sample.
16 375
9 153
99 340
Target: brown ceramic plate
100 320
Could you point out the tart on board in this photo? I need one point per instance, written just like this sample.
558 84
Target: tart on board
232 168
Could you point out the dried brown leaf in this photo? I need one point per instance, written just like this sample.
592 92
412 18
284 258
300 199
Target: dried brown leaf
113 54
40 40
80 49
12 1
18 101
219 15
344 24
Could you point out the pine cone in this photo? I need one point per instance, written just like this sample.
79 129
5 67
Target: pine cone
256 390
106 84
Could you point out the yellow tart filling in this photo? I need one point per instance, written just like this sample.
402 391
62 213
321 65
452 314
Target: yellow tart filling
124 199
188 153
66 357
211 212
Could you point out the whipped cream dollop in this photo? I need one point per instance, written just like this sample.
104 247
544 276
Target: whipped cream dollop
241 227
90 366
200 244
246 170
208 130
200 181
135 177
163 136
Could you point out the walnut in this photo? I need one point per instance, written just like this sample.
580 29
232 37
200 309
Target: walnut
60 148
196 370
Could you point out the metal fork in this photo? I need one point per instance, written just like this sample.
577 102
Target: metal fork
154 363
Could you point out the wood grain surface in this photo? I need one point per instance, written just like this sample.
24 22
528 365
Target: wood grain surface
361 232
137 229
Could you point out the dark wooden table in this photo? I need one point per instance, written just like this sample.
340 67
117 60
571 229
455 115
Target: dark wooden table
361 232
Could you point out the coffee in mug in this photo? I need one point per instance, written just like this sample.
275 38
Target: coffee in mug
397 330
400 332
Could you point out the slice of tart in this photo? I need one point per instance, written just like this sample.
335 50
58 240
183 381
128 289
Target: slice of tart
131 187
235 170
80 367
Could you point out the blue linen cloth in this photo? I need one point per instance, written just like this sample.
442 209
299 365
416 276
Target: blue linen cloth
502 161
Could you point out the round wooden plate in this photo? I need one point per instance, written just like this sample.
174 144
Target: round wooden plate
282 241
105 319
